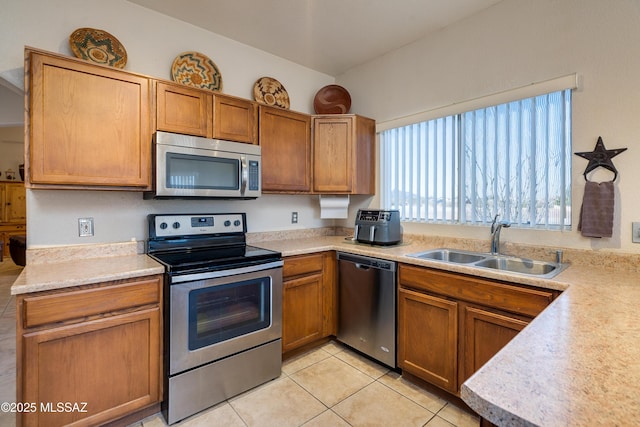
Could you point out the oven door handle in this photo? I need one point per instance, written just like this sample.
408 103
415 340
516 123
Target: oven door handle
224 273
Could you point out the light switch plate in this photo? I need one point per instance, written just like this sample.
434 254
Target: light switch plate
635 232
85 227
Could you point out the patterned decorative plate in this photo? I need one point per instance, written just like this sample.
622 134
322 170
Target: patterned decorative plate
196 69
270 92
332 99
98 46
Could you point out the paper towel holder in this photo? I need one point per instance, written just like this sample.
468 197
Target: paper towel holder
334 206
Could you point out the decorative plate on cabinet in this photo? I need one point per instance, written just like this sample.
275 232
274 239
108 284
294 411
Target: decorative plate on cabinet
332 99
197 70
269 91
98 46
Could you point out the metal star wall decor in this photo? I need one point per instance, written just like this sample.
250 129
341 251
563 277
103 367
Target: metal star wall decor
600 156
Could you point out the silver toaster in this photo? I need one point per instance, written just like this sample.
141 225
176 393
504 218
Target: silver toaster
378 227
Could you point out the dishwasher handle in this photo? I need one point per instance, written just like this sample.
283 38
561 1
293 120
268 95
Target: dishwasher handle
366 263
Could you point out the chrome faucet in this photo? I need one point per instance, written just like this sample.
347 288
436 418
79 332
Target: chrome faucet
495 234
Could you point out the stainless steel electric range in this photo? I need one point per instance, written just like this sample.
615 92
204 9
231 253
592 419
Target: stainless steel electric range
222 313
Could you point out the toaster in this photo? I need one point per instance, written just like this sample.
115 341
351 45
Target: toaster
378 227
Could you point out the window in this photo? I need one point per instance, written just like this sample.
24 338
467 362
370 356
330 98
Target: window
512 160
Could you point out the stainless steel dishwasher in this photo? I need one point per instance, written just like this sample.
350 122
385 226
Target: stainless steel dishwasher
367 306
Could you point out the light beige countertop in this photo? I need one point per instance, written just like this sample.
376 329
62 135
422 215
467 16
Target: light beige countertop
71 270
576 364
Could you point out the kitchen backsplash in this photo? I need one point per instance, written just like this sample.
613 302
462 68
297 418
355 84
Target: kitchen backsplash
576 257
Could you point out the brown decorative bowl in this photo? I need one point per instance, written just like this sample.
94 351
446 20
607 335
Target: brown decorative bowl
332 99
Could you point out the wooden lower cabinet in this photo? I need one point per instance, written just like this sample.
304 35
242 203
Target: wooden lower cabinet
302 311
308 308
449 325
428 337
486 332
84 366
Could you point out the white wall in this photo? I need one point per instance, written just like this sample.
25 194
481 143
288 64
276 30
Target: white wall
152 42
512 44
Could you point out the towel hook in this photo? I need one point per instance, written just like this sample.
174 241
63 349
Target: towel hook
600 157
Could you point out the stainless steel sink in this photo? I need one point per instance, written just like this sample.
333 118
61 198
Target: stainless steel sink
450 255
519 265
522 266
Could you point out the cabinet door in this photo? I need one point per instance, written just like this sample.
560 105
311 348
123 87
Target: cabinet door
343 154
333 161
285 138
428 338
15 203
485 334
182 109
235 119
302 311
88 125
111 364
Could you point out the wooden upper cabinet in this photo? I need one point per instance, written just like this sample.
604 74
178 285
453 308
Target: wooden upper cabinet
182 109
235 119
285 139
192 111
343 154
88 125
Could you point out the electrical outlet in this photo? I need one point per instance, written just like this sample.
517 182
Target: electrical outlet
294 217
85 227
635 232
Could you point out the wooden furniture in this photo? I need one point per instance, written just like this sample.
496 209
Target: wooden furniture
98 344
285 139
450 324
182 109
13 213
192 111
88 125
309 299
343 154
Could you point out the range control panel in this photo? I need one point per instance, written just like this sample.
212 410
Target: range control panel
177 225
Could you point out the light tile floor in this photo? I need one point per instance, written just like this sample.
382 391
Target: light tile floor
8 273
327 386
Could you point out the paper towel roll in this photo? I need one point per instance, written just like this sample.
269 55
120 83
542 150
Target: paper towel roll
332 206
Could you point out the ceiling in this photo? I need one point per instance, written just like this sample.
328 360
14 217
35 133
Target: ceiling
330 36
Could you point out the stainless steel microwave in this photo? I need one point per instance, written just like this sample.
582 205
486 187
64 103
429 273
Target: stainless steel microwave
193 167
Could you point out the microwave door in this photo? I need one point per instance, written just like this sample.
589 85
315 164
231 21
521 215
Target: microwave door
192 172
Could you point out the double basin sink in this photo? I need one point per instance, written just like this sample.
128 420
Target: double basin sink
522 266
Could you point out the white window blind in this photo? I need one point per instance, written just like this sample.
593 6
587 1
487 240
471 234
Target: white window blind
511 159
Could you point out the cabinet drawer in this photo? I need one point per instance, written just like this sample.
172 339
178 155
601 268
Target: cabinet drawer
303 264
499 295
69 305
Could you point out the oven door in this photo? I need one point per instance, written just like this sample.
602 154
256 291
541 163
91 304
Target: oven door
217 317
